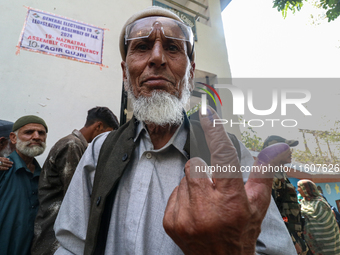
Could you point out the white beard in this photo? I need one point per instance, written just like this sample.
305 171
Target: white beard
33 151
161 108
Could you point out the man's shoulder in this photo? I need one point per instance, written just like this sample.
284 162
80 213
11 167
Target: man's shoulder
15 158
17 161
94 148
98 141
6 174
69 141
121 135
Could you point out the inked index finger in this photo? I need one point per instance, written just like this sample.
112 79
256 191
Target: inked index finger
223 153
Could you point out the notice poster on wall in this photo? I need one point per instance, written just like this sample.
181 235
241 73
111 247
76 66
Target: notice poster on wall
62 37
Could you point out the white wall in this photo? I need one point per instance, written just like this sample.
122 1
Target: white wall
212 57
66 88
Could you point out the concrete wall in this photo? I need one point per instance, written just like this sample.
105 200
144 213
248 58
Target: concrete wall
330 191
61 91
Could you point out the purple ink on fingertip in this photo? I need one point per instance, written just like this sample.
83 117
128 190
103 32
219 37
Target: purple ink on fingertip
210 115
270 152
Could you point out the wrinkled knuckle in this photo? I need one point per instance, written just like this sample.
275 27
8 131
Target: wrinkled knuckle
243 216
181 228
186 230
256 216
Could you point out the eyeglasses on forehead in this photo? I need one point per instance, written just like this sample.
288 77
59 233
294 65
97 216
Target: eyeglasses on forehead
171 29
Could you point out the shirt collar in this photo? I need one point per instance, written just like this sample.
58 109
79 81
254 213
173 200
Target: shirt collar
178 139
19 163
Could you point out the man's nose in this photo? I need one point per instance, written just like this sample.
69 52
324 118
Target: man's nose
157 57
36 135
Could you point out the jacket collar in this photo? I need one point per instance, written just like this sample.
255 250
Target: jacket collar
78 134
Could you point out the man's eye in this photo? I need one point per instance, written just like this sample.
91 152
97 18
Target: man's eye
173 48
142 47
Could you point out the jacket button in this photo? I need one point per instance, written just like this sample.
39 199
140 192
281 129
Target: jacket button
98 200
125 157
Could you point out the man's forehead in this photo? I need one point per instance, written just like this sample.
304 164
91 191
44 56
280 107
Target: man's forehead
32 126
151 20
151 11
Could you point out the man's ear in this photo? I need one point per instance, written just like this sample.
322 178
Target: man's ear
123 65
95 127
13 137
192 75
99 125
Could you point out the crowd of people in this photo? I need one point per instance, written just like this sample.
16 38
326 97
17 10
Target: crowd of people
129 190
30 196
309 218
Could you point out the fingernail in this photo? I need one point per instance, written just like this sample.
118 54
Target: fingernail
269 153
210 115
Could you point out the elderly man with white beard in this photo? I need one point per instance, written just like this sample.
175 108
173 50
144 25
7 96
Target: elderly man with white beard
19 186
132 192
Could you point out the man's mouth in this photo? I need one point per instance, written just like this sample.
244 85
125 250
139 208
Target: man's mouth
156 81
34 144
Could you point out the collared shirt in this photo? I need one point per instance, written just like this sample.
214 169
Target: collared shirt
18 206
55 178
142 196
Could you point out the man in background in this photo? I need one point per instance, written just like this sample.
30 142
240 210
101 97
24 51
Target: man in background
57 173
6 147
19 186
285 197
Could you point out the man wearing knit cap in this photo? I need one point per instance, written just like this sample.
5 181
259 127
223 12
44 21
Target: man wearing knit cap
6 147
19 186
130 194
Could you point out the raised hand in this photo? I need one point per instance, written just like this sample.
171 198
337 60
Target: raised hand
222 216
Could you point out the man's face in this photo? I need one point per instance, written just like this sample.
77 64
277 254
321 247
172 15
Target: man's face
30 140
158 75
301 191
156 63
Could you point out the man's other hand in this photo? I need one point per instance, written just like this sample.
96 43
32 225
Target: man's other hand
5 164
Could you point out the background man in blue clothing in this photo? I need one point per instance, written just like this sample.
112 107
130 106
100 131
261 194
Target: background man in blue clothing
19 186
